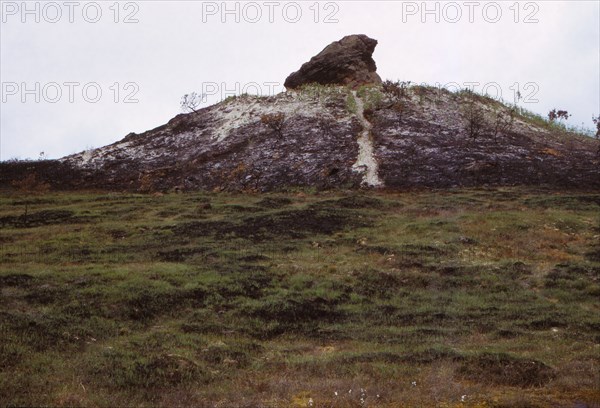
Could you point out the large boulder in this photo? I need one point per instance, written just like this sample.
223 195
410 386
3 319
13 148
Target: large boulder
345 62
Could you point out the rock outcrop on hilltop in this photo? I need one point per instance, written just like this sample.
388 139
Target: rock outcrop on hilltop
347 62
334 136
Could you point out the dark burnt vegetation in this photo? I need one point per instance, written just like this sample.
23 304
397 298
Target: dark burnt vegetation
423 137
282 224
438 135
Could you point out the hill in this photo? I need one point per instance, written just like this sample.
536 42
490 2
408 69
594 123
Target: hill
337 126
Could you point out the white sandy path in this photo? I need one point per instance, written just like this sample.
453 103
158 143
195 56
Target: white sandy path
366 162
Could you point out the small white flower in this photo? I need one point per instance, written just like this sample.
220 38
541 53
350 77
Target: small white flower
414 383
310 402
378 396
350 391
462 399
335 393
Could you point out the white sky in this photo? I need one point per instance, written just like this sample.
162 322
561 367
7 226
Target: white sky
177 47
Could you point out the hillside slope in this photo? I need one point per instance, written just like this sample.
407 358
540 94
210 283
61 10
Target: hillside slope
330 137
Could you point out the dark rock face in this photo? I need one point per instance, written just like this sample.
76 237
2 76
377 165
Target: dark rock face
345 62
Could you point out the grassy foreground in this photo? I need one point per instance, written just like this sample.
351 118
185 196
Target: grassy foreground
470 298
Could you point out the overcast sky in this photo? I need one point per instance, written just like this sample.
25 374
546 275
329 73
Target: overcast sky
144 55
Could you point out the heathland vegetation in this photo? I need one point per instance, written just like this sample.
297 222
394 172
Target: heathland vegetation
483 297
